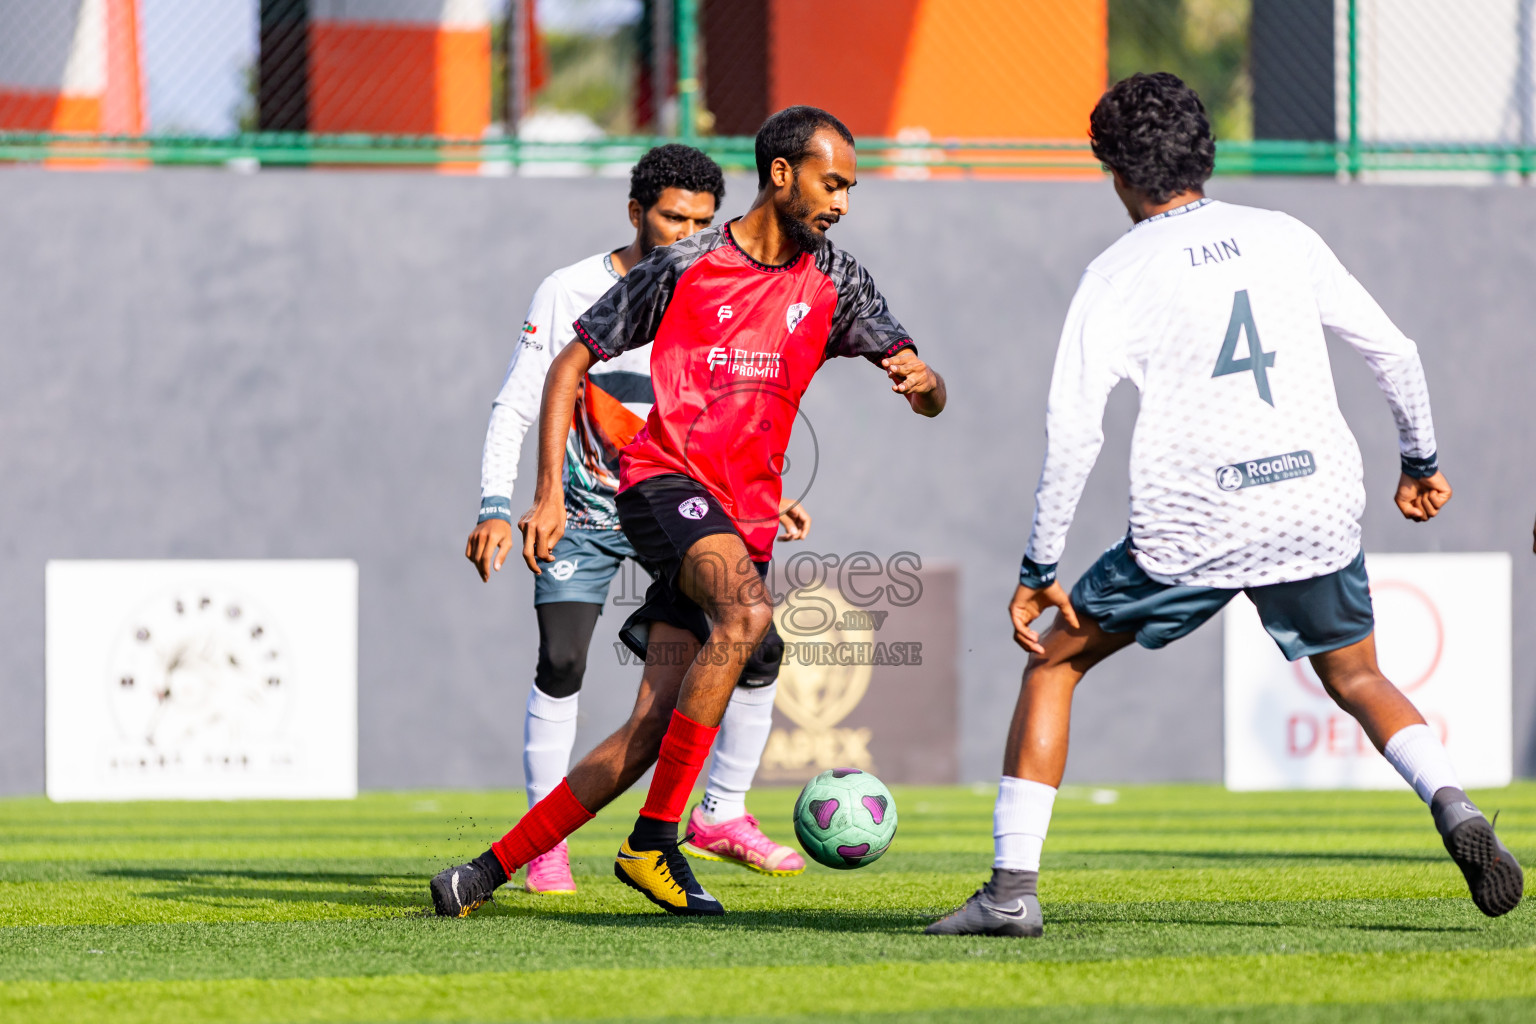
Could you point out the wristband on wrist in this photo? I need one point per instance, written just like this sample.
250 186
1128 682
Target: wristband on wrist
1034 575
495 508
1421 468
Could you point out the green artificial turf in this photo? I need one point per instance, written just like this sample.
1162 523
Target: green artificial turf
1181 904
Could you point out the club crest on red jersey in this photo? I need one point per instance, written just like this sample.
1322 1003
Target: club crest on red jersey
794 314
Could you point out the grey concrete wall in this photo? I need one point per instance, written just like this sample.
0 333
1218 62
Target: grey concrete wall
200 364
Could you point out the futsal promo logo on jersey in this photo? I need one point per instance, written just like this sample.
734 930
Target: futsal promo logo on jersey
732 366
1268 470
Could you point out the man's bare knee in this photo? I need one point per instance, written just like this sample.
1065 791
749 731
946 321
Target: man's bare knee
1073 651
756 619
1058 652
742 621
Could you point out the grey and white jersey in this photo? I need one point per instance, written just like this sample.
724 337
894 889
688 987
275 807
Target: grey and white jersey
611 405
1243 471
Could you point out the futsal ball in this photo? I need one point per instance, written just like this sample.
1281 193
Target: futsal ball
845 818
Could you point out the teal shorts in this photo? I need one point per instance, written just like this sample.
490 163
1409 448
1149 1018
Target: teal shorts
586 562
1305 617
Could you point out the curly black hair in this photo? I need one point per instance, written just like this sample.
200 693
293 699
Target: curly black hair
674 166
787 134
1153 130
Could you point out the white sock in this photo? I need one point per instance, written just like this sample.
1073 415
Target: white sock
1019 821
549 733
1420 758
738 748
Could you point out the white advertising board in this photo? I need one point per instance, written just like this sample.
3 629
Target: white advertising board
201 680
1442 635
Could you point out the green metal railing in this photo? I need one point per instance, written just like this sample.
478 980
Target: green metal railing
1354 165
1350 156
940 158
688 69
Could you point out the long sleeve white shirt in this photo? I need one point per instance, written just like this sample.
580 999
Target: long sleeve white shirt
600 425
1243 471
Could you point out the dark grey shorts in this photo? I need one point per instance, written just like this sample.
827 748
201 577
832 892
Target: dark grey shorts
1305 617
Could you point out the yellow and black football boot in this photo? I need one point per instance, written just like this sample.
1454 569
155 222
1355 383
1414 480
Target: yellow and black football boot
663 877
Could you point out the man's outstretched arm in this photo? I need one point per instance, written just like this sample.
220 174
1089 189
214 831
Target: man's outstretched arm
915 379
515 410
1089 363
544 524
1350 311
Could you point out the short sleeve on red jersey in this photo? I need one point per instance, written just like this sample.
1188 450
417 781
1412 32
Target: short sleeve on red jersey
629 313
862 324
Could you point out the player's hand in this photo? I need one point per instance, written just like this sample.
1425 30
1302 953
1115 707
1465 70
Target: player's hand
795 520
1421 499
1028 605
909 374
543 525
916 382
489 544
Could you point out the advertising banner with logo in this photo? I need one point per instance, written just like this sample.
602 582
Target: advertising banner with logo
870 677
1442 635
201 680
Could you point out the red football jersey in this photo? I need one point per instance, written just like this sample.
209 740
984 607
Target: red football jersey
737 342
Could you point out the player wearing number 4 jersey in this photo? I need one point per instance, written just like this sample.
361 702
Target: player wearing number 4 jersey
1244 477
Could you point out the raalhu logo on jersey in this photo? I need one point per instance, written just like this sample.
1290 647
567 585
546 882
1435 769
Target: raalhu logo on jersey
1268 470
730 367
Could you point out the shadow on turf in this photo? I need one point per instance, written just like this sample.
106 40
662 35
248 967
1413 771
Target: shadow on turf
1158 859
1067 924
1065 917
856 922
200 885
406 891
402 892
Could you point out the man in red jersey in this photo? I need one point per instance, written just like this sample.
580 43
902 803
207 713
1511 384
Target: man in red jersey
742 317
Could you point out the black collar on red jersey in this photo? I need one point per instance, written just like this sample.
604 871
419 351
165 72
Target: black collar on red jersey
769 267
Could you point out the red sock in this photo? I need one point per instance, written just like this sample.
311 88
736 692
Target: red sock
541 829
684 749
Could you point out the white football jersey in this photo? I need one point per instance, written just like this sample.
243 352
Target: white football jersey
616 397
1243 471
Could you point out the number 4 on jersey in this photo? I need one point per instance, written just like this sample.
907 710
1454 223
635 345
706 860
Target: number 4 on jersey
1257 360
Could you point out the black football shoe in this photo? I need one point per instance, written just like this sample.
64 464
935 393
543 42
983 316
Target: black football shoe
459 891
1492 873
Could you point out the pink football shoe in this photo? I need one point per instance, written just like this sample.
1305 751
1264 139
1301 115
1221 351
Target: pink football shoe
551 872
740 841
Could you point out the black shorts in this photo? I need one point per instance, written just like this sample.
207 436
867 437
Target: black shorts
663 517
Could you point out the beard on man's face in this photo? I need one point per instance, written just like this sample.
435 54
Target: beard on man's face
792 221
648 238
